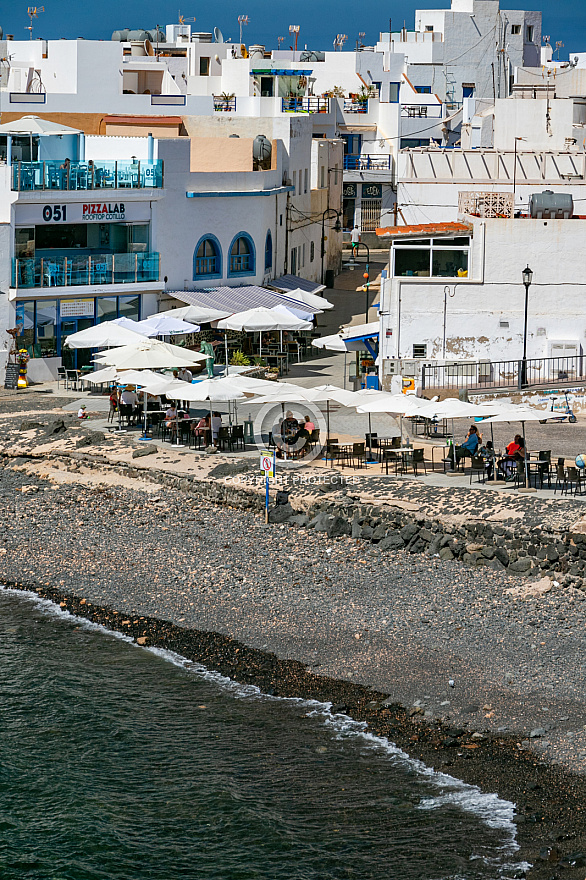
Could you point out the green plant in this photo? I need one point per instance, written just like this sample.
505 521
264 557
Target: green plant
258 362
239 359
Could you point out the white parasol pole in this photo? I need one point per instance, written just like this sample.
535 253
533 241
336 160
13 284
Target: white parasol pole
226 347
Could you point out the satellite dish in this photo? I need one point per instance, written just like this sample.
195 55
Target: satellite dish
218 35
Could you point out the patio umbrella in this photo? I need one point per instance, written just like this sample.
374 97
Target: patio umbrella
198 314
128 323
104 335
165 325
261 319
518 413
358 398
212 390
150 354
166 385
289 393
312 300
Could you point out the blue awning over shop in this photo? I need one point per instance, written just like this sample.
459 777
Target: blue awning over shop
239 299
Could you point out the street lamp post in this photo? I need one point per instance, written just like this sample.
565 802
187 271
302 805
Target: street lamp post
337 227
527 279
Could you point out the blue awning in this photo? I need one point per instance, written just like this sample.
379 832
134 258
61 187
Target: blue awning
239 299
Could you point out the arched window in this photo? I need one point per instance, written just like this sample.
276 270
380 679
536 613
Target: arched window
242 256
269 251
207 258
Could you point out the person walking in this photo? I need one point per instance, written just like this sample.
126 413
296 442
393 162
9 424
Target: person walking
355 241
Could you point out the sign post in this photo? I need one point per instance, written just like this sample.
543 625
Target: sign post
267 466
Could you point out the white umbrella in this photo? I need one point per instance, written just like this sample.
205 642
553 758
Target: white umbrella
165 325
99 377
104 335
518 413
150 354
452 408
212 390
316 303
348 338
261 318
128 323
198 314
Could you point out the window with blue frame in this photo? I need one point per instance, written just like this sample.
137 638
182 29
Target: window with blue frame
352 144
242 255
413 143
269 251
207 258
423 90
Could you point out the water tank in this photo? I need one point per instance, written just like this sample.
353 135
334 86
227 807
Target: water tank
201 37
137 36
261 152
310 55
256 51
121 36
548 205
157 36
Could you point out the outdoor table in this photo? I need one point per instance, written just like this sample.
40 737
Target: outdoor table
385 443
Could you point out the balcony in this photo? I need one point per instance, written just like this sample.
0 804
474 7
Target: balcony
368 162
63 176
355 106
82 270
225 103
309 104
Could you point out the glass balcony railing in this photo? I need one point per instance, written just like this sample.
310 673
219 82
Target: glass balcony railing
90 175
83 270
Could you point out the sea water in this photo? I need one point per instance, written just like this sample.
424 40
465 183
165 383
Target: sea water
122 763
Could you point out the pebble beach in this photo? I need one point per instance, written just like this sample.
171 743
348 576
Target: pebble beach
463 667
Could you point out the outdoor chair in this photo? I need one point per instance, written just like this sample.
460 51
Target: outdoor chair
112 412
390 457
359 454
560 476
372 440
335 453
224 439
572 482
61 376
544 470
395 443
478 467
314 438
237 437
414 459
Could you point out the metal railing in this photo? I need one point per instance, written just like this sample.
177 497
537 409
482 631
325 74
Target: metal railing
368 162
308 104
493 375
351 106
59 176
421 111
84 270
225 105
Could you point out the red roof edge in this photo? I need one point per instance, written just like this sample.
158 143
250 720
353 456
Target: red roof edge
423 229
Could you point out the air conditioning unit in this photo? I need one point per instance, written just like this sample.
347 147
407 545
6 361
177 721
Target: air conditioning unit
411 367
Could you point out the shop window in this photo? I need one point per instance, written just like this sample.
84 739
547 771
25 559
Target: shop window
242 255
269 251
129 307
25 324
450 264
64 236
46 328
106 308
207 260
412 262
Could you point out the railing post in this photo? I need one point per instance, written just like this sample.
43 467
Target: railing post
135 268
519 375
423 377
43 175
19 174
115 181
89 270
138 184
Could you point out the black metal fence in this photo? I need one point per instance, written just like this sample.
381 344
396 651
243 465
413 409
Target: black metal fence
493 375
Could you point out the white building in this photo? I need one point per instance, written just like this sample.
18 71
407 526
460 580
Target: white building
455 294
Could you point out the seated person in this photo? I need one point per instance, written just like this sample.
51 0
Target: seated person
128 401
202 429
289 426
515 452
81 413
114 400
308 424
216 425
171 418
468 448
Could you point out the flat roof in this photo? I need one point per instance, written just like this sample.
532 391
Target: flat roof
422 230
145 120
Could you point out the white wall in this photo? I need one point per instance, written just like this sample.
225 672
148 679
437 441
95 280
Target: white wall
413 308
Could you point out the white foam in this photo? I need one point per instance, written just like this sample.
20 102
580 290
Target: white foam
495 812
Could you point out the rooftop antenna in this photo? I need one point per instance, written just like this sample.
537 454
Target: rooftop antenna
359 42
33 12
339 42
559 45
294 29
279 41
242 19
183 20
546 40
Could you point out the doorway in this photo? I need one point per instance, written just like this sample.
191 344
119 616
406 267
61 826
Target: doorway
75 358
267 86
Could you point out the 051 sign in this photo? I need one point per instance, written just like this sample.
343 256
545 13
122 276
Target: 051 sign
55 213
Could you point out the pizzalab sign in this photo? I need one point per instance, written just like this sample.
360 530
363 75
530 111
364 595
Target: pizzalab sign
82 212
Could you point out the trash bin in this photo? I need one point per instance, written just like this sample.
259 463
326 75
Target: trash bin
329 278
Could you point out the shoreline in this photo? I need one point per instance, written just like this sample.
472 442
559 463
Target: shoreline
549 800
